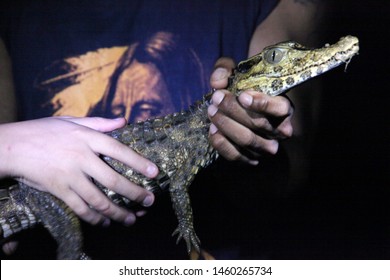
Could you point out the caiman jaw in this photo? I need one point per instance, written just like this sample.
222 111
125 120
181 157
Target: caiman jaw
282 66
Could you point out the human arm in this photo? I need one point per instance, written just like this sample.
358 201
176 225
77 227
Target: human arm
245 128
60 155
290 20
301 21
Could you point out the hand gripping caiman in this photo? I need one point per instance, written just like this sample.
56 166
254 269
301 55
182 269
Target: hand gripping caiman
177 143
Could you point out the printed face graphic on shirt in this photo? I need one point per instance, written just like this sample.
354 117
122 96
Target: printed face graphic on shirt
139 81
141 92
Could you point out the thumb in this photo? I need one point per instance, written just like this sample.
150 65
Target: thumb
223 68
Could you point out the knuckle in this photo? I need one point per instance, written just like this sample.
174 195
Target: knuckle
138 195
220 73
285 108
102 206
233 155
82 211
217 141
112 179
249 139
230 154
75 155
258 144
261 103
225 148
117 148
220 120
97 120
134 192
229 103
261 123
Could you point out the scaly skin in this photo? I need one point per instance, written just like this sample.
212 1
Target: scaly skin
177 143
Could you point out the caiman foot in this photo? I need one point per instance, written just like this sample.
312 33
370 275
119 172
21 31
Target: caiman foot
192 241
189 236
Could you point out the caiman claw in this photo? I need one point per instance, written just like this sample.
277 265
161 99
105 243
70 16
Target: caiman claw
189 236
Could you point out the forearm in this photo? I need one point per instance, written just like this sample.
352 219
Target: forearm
68 150
297 20
4 151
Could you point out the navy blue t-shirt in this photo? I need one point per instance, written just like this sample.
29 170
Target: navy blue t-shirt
139 59
77 57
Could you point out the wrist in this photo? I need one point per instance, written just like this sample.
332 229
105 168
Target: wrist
5 150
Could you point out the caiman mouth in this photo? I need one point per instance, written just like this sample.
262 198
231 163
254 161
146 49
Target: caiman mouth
342 56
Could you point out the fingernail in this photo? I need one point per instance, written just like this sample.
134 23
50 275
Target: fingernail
219 74
151 170
130 220
141 213
273 147
213 129
217 98
212 110
246 99
148 201
253 162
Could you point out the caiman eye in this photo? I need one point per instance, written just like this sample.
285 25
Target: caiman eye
274 56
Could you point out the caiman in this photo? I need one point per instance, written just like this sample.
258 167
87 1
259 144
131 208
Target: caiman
178 143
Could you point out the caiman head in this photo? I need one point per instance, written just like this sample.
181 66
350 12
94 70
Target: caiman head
282 66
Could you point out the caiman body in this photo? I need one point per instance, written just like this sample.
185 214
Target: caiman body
177 143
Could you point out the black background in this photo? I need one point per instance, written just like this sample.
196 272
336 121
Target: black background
342 212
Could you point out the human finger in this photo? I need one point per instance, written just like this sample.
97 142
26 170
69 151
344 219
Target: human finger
276 106
240 134
97 123
112 148
270 116
223 68
227 149
94 207
227 103
278 110
79 205
10 247
119 184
